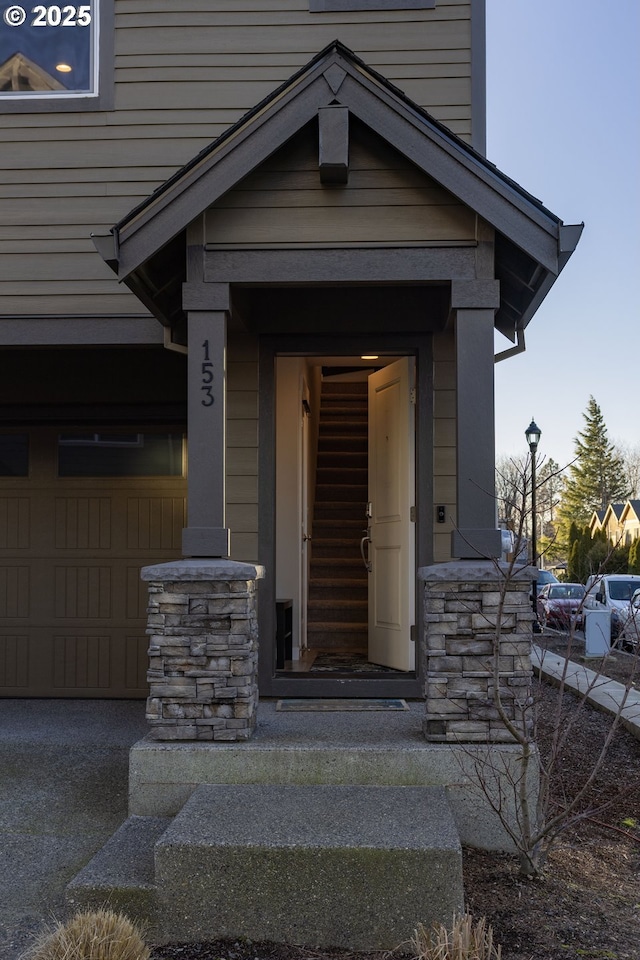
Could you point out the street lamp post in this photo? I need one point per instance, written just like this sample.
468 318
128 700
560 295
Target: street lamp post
533 433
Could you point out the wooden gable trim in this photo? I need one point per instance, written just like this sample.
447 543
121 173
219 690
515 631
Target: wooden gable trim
438 154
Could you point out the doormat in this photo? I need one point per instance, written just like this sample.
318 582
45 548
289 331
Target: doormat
347 663
328 705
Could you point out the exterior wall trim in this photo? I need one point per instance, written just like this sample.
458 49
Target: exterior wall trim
89 331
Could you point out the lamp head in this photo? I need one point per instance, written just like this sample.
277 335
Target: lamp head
533 433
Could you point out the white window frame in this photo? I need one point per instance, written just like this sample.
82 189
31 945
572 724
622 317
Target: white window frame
101 98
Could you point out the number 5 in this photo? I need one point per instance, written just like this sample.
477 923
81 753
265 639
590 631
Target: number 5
83 18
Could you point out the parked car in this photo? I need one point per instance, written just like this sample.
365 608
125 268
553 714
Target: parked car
612 592
629 638
561 605
543 577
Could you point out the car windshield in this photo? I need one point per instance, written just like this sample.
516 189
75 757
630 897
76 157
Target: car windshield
566 591
622 589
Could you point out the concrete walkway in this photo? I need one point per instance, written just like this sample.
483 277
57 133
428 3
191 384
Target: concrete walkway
63 792
602 693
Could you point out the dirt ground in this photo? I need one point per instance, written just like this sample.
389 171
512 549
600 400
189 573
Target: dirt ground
587 903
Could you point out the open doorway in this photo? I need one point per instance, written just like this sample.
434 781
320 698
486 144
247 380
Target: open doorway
345 511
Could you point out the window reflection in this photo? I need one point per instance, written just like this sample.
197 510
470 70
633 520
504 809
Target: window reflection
51 52
120 455
14 455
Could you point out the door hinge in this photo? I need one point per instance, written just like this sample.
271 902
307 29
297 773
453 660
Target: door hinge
412 633
412 514
412 395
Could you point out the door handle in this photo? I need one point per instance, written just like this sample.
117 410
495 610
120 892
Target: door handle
365 555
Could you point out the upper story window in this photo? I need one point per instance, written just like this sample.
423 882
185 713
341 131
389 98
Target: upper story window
56 56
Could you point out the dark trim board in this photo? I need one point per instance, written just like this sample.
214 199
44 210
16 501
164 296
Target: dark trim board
274 684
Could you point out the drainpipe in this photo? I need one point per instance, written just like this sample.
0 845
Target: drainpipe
512 351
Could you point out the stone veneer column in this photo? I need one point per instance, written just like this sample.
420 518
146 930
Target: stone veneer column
461 646
203 649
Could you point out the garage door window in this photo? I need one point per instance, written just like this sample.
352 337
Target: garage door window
120 455
14 455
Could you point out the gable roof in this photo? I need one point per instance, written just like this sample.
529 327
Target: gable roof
629 507
532 244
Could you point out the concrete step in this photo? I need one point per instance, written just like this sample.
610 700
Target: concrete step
350 866
122 873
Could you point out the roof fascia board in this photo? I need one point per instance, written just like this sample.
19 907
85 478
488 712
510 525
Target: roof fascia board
235 158
472 183
441 158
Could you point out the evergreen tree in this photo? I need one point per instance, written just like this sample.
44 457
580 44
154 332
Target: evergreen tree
634 557
595 478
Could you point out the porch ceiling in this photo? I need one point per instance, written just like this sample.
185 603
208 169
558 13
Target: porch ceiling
147 249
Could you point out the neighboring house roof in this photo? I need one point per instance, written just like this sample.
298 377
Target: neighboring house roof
532 244
597 518
631 506
19 73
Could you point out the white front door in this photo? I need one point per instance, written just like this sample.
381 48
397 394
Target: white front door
391 529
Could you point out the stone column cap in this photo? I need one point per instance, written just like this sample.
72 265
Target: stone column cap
202 569
480 570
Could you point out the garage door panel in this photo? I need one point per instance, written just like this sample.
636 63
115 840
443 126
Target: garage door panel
82 523
137 595
155 523
81 662
15 523
73 664
72 604
14 664
14 591
83 592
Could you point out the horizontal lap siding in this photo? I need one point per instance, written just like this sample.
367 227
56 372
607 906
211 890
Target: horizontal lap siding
385 201
184 73
242 447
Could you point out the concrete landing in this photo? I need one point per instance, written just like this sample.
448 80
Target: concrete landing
334 748
323 865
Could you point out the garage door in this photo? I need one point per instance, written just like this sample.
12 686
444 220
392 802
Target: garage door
81 511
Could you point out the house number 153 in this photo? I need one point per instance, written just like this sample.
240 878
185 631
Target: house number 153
206 376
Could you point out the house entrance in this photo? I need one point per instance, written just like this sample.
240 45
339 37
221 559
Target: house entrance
345 516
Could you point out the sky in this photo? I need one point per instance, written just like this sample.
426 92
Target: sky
563 120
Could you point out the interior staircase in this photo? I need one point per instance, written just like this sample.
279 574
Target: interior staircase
338 583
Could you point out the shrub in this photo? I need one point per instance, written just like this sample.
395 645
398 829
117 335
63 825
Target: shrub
465 941
91 935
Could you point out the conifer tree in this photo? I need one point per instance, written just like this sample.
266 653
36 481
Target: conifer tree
597 475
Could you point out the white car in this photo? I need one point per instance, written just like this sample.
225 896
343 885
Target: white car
630 632
612 592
